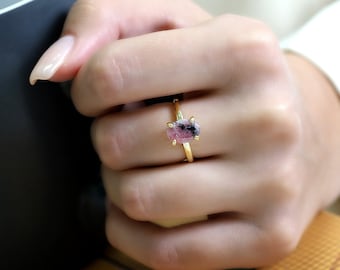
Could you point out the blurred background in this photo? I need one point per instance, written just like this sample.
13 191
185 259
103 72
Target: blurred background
282 15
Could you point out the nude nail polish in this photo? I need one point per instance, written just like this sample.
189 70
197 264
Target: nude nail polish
52 59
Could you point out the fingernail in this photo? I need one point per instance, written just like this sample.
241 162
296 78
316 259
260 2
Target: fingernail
52 59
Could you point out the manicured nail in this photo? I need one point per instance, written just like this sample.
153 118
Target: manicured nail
52 59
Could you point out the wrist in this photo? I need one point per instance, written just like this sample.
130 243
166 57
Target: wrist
320 118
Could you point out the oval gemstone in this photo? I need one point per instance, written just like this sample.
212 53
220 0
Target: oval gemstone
183 131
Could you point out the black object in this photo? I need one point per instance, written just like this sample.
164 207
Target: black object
50 216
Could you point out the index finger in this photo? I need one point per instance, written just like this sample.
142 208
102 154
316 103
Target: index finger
149 66
92 24
172 62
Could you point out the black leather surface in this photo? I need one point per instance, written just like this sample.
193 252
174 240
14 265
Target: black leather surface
47 164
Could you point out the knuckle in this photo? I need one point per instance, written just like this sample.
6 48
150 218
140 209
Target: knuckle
275 126
281 177
260 45
270 140
276 240
104 84
261 42
281 238
252 40
279 124
159 254
112 142
163 255
284 185
104 72
135 200
81 9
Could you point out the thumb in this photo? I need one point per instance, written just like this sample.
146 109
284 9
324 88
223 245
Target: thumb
92 24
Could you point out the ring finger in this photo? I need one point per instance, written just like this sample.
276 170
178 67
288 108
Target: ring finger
139 138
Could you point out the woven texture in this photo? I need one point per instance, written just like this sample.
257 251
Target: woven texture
319 248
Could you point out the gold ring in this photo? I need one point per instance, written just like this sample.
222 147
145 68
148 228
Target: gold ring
183 131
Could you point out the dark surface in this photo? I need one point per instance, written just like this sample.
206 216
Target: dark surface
51 217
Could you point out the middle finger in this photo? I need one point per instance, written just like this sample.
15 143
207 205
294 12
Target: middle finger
161 64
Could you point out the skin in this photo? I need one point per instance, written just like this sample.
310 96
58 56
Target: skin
265 163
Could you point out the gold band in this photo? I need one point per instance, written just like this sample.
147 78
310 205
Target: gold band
188 152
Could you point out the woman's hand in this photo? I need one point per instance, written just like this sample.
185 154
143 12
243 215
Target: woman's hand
265 163
91 24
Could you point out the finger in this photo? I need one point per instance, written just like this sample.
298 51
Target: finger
154 65
92 24
134 139
224 243
184 190
139 138
165 63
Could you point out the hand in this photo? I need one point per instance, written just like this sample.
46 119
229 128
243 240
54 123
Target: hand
265 163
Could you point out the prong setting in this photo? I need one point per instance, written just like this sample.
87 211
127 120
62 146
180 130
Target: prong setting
183 131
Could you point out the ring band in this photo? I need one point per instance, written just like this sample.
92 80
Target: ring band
183 131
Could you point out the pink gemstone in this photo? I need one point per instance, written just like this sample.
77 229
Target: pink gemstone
183 131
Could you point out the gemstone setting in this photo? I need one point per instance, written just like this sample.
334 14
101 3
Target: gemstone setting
183 131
